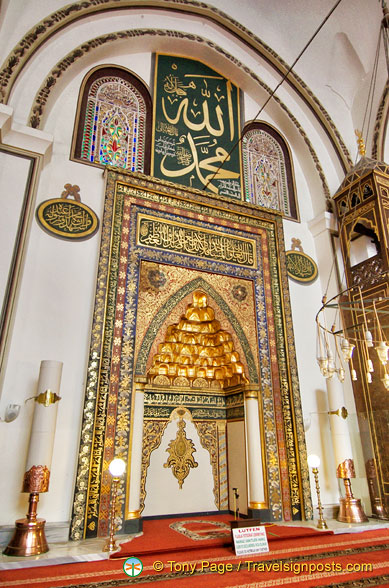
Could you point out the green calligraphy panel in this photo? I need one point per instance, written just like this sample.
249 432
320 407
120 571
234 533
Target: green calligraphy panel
196 127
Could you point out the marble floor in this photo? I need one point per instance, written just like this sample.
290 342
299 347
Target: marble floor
92 549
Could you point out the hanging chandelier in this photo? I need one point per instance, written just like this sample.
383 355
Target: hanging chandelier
356 322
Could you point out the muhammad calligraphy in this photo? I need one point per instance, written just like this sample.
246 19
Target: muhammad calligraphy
163 234
69 219
197 127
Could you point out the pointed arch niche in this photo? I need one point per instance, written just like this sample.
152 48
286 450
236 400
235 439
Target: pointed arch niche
195 362
113 120
173 257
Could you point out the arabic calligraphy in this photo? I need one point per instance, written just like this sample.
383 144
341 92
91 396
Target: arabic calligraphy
197 126
300 266
68 219
166 235
169 399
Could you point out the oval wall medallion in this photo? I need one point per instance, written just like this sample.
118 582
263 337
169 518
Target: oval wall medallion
67 219
299 265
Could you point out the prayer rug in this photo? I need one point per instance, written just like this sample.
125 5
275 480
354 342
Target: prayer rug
318 560
169 535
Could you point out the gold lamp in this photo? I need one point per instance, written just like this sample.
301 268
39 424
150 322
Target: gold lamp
314 463
116 469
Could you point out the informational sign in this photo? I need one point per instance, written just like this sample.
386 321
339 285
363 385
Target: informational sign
197 127
250 540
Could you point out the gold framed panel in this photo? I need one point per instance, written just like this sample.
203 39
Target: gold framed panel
117 357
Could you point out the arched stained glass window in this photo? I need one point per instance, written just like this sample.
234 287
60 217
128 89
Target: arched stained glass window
267 170
113 120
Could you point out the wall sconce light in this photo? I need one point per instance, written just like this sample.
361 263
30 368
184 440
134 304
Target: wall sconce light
11 413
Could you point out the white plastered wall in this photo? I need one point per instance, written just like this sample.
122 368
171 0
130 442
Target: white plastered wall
55 304
163 494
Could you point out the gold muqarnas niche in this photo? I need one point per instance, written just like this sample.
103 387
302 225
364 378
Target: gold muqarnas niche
196 352
181 451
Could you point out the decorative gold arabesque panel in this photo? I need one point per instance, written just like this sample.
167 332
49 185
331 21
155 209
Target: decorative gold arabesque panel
181 450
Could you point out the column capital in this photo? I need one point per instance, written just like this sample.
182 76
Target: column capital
250 394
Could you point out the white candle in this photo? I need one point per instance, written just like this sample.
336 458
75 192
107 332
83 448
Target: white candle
38 465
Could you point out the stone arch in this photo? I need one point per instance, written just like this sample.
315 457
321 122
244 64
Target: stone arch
39 104
38 35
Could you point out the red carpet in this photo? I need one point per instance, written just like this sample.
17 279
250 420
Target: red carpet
310 560
160 536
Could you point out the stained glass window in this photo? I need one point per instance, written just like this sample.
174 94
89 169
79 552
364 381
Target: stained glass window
268 177
113 118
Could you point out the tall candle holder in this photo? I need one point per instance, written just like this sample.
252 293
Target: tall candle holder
350 510
29 534
314 462
116 469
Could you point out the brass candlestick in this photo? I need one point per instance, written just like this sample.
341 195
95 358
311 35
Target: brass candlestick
351 510
314 462
29 534
116 468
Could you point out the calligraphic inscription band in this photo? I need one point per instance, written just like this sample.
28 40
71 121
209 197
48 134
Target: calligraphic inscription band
190 240
197 127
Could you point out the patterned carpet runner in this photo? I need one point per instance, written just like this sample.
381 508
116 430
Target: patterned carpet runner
297 556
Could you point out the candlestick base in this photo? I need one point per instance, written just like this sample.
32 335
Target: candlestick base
351 511
28 538
110 545
321 524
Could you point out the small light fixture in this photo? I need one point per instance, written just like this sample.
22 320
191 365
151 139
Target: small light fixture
385 381
313 461
116 469
369 338
347 349
11 413
382 352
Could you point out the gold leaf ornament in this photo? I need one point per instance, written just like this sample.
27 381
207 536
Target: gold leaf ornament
181 451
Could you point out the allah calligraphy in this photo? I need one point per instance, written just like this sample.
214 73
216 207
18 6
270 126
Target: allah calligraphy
167 235
69 219
197 127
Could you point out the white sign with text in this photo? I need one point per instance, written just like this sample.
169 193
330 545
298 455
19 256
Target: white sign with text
249 540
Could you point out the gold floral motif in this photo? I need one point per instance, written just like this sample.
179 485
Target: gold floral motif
36 479
152 437
180 452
